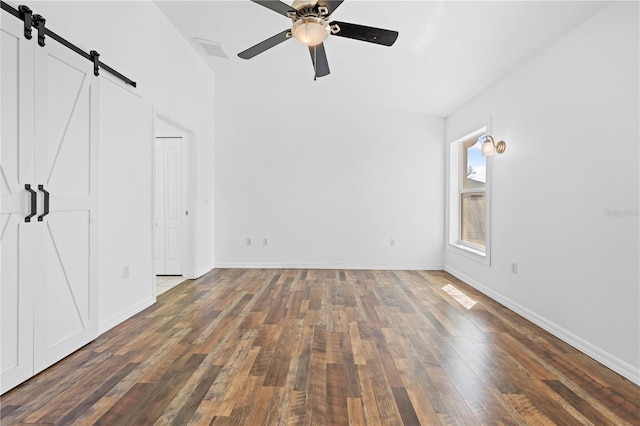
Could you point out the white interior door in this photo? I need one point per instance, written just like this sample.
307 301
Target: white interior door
173 205
159 249
16 235
66 310
169 205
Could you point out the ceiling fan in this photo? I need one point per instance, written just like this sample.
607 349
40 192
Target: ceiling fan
311 26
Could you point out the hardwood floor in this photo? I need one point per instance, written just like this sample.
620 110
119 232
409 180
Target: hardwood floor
326 348
167 282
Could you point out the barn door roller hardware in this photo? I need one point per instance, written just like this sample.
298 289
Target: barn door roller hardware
25 15
32 20
39 22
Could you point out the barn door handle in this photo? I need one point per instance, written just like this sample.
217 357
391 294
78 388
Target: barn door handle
46 203
34 201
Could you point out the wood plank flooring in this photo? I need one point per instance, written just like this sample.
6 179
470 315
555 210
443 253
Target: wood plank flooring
309 347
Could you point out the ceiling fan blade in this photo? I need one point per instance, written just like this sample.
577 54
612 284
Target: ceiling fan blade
363 33
276 6
264 45
319 60
331 5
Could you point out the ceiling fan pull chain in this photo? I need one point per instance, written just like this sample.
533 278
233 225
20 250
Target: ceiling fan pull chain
315 63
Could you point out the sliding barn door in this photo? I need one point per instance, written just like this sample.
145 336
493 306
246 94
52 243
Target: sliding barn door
66 310
16 238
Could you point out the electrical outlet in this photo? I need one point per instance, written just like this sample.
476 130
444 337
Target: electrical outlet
125 271
248 241
392 242
265 241
514 267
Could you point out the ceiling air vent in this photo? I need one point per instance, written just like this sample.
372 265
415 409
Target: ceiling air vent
211 48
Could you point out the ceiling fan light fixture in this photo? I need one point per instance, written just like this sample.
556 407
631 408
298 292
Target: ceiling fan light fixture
311 30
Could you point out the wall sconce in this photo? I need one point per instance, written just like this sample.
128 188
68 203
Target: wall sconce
490 147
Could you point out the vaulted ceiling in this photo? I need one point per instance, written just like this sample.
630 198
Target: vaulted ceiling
447 51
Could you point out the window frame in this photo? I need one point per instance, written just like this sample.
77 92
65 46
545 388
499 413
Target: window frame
457 174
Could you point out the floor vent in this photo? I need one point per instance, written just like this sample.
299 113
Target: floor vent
211 48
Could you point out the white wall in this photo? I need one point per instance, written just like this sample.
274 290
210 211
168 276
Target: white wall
327 184
125 122
136 39
570 118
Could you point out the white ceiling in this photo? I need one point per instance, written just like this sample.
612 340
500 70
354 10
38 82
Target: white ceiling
447 51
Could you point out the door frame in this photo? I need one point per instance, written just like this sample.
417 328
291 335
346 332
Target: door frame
188 190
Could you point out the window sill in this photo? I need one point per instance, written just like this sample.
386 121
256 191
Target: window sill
478 255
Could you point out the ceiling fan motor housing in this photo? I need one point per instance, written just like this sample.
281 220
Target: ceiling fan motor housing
303 4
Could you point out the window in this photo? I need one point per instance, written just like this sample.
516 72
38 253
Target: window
472 194
469 197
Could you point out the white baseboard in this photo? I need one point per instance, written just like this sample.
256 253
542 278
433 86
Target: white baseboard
122 316
616 364
202 271
365 266
240 265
